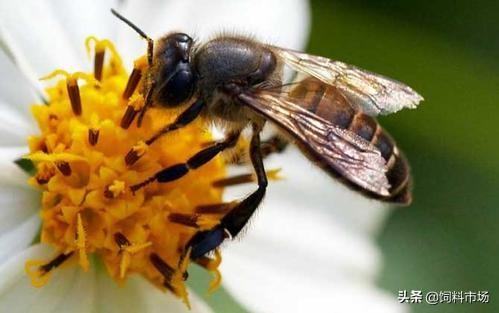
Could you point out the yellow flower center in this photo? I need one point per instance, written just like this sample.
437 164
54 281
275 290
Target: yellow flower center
87 156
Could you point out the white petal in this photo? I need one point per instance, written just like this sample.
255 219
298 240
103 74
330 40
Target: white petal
69 289
309 230
280 22
138 295
19 203
83 18
15 89
11 173
35 37
275 290
19 237
15 127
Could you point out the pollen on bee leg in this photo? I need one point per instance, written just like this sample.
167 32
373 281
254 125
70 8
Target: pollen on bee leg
39 271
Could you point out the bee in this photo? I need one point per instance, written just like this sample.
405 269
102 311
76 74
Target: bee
328 110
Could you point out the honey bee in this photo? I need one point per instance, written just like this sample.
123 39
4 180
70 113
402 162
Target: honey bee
328 111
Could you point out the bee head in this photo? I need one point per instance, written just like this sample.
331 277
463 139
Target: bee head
174 73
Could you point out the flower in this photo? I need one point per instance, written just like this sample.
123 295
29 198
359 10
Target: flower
301 252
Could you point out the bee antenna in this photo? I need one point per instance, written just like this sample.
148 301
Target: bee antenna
150 42
129 23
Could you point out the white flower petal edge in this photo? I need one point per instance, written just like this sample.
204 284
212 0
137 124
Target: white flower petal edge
16 95
15 89
19 221
138 295
82 18
305 249
282 291
69 290
38 41
280 22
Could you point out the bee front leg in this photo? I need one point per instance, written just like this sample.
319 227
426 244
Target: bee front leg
235 220
177 171
182 120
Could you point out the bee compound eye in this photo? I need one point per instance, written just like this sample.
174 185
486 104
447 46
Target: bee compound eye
178 88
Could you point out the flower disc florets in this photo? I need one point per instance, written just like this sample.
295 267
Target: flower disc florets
87 207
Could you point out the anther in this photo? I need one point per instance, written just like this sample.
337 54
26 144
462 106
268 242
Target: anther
134 78
74 95
100 47
63 167
234 180
44 174
108 193
132 83
166 270
128 117
243 179
217 208
56 262
72 86
135 153
99 63
184 219
121 240
93 136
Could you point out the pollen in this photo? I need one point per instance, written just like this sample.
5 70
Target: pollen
89 153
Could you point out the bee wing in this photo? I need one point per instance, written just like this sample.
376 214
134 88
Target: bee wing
338 149
374 94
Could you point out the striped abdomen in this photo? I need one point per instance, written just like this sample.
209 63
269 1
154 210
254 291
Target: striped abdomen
330 104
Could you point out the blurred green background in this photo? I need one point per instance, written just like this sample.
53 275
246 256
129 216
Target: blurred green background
449 52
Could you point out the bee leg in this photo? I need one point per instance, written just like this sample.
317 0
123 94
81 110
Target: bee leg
176 171
182 120
234 221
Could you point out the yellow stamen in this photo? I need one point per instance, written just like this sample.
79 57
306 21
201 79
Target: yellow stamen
87 206
80 244
38 277
117 188
212 266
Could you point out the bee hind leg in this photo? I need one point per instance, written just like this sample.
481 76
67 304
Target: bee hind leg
235 220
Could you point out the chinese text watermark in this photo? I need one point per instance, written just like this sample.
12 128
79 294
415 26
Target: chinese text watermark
438 297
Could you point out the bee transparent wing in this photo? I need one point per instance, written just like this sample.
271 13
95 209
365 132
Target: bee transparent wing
339 150
374 94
